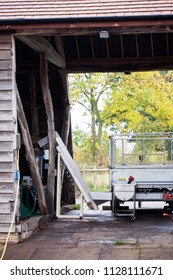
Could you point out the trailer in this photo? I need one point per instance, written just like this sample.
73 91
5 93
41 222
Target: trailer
141 169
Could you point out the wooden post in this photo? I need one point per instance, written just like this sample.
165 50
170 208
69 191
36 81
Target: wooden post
33 104
51 130
66 107
30 155
68 191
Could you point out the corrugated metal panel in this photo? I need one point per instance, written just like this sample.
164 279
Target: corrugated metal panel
35 9
7 184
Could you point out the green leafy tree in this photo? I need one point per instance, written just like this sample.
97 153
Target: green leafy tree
141 102
90 91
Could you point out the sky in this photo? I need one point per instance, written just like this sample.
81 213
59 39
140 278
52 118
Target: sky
78 120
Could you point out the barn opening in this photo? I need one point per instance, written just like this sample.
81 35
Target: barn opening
68 48
28 81
83 53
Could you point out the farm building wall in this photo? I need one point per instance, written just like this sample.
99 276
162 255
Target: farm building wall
8 128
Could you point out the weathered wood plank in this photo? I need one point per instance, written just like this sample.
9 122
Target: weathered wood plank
6 219
6 188
5 198
5 54
5 65
6 85
5 95
6 136
6 105
5 228
5 208
5 75
5 45
5 38
6 115
6 167
6 147
6 157
6 126
7 177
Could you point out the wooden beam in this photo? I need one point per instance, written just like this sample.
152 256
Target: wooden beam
51 130
68 190
30 155
64 28
120 64
60 45
33 104
66 114
40 44
66 108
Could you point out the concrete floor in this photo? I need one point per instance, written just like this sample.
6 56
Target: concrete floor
99 237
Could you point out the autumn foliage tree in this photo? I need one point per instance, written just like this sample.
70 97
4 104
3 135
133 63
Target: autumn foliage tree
139 102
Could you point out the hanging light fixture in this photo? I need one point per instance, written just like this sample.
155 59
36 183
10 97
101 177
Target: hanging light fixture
104 34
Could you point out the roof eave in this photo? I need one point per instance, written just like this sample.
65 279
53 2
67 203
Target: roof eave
27 21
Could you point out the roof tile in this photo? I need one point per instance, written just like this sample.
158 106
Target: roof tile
57 9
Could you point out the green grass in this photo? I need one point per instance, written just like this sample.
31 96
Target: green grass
97 181
119 243
77 206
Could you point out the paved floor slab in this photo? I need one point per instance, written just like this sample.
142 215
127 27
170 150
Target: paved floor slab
99 236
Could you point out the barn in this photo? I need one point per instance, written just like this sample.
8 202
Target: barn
40 43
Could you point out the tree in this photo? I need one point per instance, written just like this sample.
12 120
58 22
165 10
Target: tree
141 102
90 91
82 150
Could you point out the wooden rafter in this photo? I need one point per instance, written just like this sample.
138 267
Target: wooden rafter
40 44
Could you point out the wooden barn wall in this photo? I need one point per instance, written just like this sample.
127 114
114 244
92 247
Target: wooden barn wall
7 133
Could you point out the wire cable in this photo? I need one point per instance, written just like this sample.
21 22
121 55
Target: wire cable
15 208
